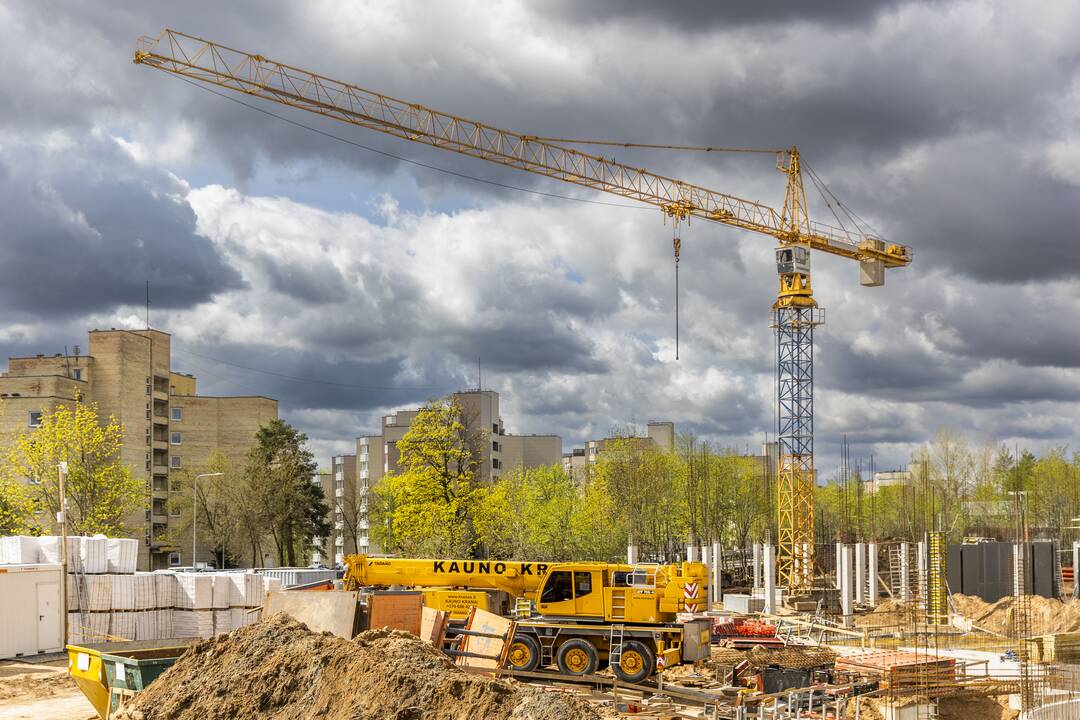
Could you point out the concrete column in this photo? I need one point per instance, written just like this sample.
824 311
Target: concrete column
860 572
839 559
706 558
845 585
905 571
872 588
691 553
921 571
1076 570
757 566
717 574
631 554
769 561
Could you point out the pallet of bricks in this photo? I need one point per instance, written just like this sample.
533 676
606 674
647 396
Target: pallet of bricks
109 600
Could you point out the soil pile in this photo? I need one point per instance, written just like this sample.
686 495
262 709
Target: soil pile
279 669
35 685
1048 615
792 656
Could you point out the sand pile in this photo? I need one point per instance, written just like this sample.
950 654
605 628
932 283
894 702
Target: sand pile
1047 614
279 669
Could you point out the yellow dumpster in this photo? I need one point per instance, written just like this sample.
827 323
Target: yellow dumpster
87 668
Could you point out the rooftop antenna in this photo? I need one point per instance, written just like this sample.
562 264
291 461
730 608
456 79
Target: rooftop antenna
479 375
147 304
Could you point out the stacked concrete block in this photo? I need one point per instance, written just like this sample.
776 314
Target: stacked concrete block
165 623
49 550
122 624
98 593
19 550
223 621
93 554
121 555
193 623
222 591
146 625
75 592
194 591
165 590
123 592
145 591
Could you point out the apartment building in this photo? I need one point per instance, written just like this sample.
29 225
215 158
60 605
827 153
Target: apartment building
168 425
497 451
659 435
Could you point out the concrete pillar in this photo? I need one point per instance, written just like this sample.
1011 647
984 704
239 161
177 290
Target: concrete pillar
839 558
717 573
1076 570
691 553
845 585
631 554
921 571
757 566
905 572
860 572
872 581
706 559
769 561
808 567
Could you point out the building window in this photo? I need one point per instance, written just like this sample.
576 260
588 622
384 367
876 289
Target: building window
495 463
174 461
77 373
177 414
174 559
176 438
34 418
495 446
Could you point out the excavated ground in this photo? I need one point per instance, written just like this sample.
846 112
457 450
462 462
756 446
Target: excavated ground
279 669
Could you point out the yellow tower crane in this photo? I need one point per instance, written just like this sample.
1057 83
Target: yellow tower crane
795 313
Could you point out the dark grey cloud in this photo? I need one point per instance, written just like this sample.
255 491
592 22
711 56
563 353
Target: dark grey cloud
79 241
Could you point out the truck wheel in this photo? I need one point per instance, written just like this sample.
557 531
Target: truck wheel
524 653
635 663
577 657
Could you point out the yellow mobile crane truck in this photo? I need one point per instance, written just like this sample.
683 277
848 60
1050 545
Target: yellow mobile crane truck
588 614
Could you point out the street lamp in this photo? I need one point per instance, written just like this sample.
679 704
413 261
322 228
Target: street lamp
194 514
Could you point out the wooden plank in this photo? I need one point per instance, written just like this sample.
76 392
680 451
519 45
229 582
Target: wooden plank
400 610
433 625
492 650
333 611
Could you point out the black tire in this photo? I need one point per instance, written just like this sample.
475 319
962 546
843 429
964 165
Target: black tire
577 657
524 653
636 663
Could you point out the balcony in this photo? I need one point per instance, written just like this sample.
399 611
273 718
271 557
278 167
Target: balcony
339 525
161 470
340 492
161 419
159 519
161 395
161 445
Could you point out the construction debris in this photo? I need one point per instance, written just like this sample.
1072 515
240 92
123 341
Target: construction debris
1047 614
279 668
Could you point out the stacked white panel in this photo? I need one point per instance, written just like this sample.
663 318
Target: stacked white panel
19 550
194 591
98 593
223 621
122 625
270 585
165 623
93 552
123 591
237 589
49 550
96 626
122 554
165 590
146 625
222 591
193 623
145 591
74 593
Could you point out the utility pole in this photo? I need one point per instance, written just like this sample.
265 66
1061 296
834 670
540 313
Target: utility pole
61 518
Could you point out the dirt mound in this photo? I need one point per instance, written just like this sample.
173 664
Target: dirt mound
35 685
1047 614
279 669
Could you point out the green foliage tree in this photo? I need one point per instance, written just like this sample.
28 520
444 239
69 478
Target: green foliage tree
429 508
102 495
289 506
220 509
525 515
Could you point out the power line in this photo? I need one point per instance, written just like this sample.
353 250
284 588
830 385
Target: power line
384 153
297 378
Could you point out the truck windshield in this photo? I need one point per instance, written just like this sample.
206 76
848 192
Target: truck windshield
559 587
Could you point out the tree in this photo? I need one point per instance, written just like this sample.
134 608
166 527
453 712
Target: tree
102 495
290 507
17 508
220 518
432 502
525 515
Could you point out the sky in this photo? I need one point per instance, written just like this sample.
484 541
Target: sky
346 281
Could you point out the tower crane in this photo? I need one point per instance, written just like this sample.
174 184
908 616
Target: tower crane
795 312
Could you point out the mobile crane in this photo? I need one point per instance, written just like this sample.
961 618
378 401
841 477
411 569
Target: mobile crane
587 613
795 312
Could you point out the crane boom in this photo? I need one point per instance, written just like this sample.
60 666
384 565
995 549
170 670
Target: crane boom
209 62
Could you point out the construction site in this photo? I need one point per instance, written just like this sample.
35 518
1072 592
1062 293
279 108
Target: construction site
802 621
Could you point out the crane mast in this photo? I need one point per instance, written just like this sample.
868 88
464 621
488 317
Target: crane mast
795 313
